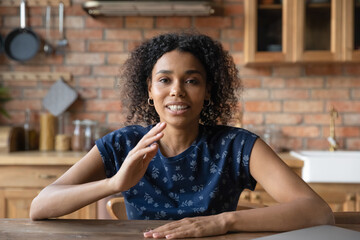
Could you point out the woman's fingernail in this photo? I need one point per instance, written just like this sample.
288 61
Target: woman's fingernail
169 236
156 235
148 234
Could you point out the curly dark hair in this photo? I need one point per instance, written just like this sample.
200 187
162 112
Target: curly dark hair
221 72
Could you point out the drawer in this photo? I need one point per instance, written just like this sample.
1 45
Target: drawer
29 176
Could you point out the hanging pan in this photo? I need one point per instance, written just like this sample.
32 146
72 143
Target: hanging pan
22 43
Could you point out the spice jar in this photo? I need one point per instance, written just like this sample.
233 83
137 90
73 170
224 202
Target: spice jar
77 138
88 134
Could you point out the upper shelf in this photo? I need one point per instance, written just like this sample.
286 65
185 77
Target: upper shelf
149 8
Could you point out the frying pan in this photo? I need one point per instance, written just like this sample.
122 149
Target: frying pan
22 43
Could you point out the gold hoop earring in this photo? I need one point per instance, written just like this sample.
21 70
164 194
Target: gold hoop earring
150 102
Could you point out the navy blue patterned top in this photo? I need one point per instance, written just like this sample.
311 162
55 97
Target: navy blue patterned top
205 179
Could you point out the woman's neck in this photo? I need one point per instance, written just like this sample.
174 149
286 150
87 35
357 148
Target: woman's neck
177 140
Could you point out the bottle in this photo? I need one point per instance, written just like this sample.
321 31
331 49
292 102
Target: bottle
62 140
88 134
77 139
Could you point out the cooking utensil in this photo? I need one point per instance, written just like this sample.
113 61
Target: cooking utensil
22 43
59 97
63 42
48 49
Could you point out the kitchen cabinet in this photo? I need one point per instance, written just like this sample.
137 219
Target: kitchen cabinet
24 174
339 196
301 31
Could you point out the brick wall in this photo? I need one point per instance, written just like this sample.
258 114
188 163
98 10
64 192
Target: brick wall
291 100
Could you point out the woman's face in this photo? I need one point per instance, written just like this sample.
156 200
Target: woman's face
178 88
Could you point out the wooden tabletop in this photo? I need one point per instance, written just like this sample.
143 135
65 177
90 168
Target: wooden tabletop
55 229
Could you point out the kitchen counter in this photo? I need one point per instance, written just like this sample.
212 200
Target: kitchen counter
40 158
69 158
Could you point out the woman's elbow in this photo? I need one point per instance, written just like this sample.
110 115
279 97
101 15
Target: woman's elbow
35 210
325 215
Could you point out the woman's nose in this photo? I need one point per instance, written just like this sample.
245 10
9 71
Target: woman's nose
177 90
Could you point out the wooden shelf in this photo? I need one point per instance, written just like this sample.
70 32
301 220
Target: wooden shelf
34 76
34 3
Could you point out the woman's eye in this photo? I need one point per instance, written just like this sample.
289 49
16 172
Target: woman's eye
191 81
163 80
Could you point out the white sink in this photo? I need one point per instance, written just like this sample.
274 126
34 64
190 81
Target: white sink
331 167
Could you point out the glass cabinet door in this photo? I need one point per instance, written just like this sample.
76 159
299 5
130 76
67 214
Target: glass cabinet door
267 31
317 36
351 26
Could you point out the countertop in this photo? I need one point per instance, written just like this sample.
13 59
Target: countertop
70 158
102 229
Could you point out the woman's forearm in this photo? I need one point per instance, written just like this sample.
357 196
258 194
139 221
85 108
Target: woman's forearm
57 200
283 217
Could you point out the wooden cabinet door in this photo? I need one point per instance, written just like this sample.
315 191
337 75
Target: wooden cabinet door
268 32
15 203
318 31
351 33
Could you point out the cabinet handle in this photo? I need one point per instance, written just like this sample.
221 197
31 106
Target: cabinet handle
47 176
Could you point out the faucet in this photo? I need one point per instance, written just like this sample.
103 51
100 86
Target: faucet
331 139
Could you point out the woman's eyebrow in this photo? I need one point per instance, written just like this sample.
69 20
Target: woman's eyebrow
187 71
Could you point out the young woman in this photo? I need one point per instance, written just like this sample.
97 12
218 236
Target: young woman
183 165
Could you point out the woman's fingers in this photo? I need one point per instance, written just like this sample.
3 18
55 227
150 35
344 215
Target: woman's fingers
155 134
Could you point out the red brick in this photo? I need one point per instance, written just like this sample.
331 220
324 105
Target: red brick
323 119
105 70
287 143
106 46
323 69
347 131
152 33
301 131
253 94
317 144
173 22
351 119
233 34
211 32
110 93
308 82
117 58
74 22
139 22
355 93
77 34
98 82
345 106
262 106
273 82
104 22
303 106
76 46
289 94
238 58
330 94
85 58
343 82
123 34
253 118
353 143
116 118
238 22
103 105
16 118
35 93
23 104
233 9
251 82
213 21
74 70
87 93
283 118
22 84
287 71
237 45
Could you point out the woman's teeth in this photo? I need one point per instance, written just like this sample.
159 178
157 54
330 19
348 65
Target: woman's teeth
176 107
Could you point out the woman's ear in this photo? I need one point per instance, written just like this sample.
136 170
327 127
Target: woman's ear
149 87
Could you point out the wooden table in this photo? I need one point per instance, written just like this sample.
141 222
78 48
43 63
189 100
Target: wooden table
16 229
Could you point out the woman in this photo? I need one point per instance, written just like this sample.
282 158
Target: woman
186 166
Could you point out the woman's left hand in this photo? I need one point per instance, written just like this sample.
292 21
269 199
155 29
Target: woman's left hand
190 227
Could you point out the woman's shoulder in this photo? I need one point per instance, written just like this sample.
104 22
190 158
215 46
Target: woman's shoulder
228 131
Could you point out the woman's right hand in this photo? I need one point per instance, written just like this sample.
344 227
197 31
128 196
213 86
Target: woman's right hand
137 160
